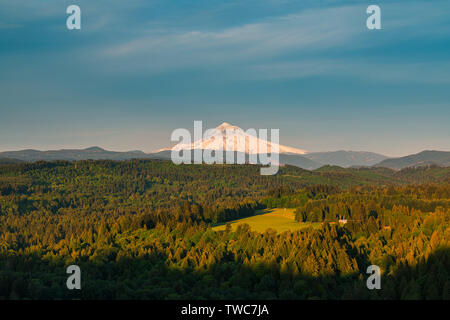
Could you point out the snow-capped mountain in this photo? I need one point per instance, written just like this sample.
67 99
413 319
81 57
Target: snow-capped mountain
232 138
229 138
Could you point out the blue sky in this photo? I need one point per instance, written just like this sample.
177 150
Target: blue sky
139 69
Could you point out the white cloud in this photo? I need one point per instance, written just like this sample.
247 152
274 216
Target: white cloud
306 32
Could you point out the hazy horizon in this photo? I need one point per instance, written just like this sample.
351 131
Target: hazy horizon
125 148
83 147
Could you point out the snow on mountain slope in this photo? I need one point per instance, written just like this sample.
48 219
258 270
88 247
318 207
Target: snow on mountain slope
232 138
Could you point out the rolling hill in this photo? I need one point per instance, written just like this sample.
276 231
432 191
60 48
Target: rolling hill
424 158
92 153
285 159
346 158
9 161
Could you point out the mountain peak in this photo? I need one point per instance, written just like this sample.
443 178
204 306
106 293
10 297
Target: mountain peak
94 149
227 137
226 125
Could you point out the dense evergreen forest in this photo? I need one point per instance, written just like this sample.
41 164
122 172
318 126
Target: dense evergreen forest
141 229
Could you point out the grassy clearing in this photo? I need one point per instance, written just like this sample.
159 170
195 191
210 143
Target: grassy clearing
279 219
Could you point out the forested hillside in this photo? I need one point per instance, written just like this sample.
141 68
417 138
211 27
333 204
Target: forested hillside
141 229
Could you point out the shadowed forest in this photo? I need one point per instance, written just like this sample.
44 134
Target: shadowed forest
141 229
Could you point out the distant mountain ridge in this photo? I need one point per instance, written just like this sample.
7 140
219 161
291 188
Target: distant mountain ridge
290 159
93 153
424 158
230 137
309 161
346 159
9 161
227 137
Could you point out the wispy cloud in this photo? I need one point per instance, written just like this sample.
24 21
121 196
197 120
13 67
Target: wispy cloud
311 42
388 72
301 33
9 25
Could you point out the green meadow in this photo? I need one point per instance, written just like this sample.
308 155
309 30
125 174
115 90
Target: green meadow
279 219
